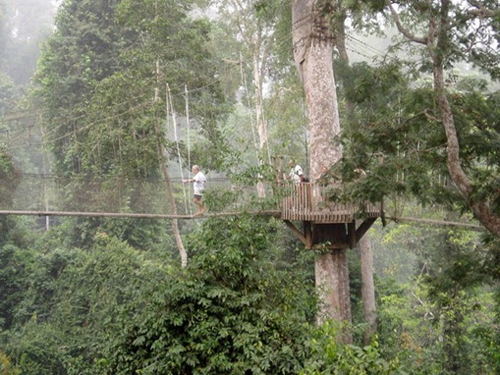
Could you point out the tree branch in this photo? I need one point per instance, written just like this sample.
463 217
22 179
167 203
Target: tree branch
402 29
481 11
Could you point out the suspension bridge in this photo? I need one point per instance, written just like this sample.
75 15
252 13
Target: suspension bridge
323 219
111 196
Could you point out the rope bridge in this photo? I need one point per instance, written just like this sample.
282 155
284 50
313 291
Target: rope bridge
88 196
52 195
38 194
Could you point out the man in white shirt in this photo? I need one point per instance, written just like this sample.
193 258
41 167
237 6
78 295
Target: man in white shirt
198 181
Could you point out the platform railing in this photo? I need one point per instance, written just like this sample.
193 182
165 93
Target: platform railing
310 201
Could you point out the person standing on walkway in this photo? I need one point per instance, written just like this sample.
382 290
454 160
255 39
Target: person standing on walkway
198 181
296 174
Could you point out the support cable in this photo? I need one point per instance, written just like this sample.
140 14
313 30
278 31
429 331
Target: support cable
170 106
188 126
247 94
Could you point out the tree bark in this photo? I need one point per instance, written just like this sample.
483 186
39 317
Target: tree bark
368 288
332 283
480 209
171 198
312 49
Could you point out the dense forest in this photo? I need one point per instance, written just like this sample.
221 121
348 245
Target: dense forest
106 105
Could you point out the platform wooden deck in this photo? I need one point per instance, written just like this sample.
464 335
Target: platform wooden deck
311 202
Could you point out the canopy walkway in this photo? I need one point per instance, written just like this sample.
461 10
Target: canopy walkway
52 195
112 196
88 196
323 220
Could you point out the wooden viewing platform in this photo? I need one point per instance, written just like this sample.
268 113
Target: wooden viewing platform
326 224
311 202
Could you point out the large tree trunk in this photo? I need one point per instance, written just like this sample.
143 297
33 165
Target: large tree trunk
313 47
332 282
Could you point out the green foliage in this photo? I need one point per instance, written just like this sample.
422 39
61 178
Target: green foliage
14 270
9 175
435 324
229 313
394 136
8 94
71 299
330 357
490 338
37 351
428 336
223 316
242 304
145 234
42 277
5 366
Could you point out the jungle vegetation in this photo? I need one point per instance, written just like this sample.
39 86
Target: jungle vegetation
88 89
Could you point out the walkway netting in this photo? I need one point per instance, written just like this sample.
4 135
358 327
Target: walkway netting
111 194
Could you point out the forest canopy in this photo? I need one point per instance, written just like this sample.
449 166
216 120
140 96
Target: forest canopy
106 106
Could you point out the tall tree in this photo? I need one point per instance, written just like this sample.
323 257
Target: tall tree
437 121
97 81
255 22
366 254
313 50
464 31
84 50
103 57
